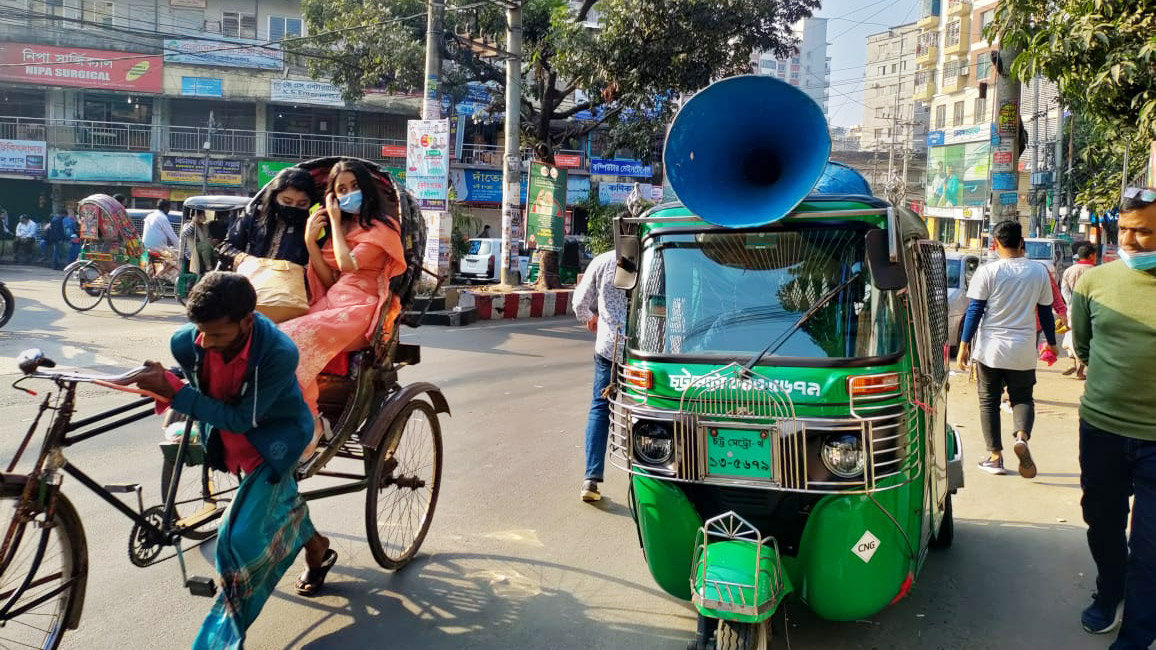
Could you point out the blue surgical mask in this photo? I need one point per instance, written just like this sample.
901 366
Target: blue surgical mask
351 202
1138 261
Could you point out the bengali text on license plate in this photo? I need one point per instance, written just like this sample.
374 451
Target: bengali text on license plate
744 453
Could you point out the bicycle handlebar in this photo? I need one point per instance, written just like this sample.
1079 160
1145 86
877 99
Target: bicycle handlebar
32 361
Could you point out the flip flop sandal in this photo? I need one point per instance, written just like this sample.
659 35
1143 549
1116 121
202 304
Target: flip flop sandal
313 578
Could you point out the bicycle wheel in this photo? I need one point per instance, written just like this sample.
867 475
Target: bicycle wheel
129 290
7 305
201 490
38 615
404 479
83 287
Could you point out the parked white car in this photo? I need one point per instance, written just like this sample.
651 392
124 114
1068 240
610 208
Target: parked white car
1056 254
960 268
480 263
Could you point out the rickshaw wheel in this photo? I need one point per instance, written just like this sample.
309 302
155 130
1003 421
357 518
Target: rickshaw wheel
743 636
129 290
83 287
404 480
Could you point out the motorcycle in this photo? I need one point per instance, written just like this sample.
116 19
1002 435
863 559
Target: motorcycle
781 408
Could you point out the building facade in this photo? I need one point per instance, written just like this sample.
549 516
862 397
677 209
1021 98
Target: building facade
810 67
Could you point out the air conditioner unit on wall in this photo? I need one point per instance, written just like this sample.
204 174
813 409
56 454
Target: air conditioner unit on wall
963 71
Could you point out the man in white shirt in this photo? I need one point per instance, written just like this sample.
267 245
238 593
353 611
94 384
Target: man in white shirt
602 308
1005 299
160 240
26 232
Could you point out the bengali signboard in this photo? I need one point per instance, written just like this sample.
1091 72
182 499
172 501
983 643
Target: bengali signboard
568 160
24 157
546 212
616 193
477 185
219 53
291 91
80 67
428 162
202 87
267 170
187 170
631 168
106 166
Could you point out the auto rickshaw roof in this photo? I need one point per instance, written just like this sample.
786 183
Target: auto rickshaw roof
210 202
833 206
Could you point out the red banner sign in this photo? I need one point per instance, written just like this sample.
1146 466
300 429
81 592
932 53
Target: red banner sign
568 160
81 67
1002 157
150 192
393 151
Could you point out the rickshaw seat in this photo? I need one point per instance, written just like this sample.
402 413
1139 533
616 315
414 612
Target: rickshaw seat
340 364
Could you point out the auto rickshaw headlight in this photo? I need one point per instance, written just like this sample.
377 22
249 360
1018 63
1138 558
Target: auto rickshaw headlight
653 443
843 455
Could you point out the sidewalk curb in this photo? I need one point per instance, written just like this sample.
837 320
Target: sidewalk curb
518 304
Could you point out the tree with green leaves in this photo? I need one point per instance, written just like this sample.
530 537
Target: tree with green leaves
1102 56
622 72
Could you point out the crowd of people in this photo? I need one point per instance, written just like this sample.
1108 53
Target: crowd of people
54 241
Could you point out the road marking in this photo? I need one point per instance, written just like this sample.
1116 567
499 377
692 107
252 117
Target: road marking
522 536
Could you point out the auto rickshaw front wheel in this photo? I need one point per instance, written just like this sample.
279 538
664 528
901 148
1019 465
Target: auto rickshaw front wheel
732 635
946 534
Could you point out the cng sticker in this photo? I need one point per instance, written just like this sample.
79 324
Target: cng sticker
866 546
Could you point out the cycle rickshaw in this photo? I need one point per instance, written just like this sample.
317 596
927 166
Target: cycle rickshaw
113 263
387 435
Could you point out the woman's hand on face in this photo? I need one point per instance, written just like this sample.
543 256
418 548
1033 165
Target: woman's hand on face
333 206
314 226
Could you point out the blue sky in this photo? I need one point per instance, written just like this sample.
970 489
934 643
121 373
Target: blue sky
849 24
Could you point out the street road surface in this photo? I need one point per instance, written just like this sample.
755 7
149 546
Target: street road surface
514 559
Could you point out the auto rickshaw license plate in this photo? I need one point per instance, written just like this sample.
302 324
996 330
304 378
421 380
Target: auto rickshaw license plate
740 453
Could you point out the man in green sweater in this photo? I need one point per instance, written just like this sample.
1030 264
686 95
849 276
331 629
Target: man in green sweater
1114 327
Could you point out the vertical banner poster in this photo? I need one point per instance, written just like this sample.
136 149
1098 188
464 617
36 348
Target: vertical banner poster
427 160
546 207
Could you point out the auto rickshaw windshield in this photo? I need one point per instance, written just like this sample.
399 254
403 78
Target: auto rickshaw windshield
731 294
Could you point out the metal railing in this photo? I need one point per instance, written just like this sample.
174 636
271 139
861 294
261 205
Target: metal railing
118 136
490 155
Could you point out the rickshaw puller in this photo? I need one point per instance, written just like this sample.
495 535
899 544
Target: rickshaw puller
243 390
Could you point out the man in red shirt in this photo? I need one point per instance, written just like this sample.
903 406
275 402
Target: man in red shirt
242 388
1085 261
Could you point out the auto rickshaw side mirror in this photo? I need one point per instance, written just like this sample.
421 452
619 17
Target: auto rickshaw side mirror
886 275
627 249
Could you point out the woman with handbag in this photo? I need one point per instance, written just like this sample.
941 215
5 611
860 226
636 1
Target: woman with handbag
267 245
354 248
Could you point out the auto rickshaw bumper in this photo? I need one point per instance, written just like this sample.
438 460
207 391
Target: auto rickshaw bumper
738 573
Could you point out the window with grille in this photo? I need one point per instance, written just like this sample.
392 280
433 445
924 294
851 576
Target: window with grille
98 12
957 114
282 27
952 34
238 24
950 71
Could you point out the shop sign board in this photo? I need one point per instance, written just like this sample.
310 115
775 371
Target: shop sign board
292 91
267 170
202 87
219 53
630 168
80 67
187 170
103 166
23 157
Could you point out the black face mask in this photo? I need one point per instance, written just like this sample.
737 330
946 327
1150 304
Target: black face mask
290 215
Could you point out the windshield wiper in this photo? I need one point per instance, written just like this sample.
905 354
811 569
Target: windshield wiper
774 346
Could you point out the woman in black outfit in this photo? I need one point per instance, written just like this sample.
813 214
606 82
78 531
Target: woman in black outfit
279 219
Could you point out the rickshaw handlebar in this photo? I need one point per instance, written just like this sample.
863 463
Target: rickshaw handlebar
32 364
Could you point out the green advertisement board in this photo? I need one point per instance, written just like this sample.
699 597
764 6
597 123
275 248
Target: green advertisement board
267 169
546 214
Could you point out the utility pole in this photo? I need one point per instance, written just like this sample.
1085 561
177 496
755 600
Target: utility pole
1058 170
895 114
1072 219
207 146
1004 177
1034 225
431 108
512 167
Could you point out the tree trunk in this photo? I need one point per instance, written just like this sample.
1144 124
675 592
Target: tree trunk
548 277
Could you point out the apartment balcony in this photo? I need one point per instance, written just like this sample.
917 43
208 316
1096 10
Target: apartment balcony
954 82
924 92
958 37
926 53
958 7
928 22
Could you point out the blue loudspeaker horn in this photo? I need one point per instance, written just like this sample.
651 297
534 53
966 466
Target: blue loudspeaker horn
745 151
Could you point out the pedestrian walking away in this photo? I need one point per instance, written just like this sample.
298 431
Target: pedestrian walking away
1006 299
242 385
1085 260
602 308
1114 332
